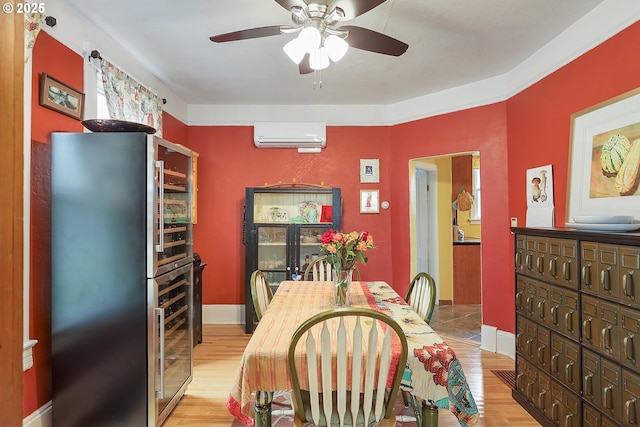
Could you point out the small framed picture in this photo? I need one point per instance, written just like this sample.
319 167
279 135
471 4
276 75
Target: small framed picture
369 170
59 97
369 201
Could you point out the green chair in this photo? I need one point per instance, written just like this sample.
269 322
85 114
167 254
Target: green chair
421 295
261 293
329 400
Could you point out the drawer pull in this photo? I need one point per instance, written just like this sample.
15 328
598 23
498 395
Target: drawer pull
528 262
540 264
566 271
554 363
530 305
541 399
519 259
519 381
586 329
519 299
605 279
627 285
553 267
606 338
587 385
586 276
607 397
530 347
630 411
568 321
541 358
628 347
519 341
568 420
554 315
541 310
568 372
554 411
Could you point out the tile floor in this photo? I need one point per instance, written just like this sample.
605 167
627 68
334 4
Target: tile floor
459 321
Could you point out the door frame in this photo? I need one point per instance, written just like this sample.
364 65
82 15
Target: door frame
417 166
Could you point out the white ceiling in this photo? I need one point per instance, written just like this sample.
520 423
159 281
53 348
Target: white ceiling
451 43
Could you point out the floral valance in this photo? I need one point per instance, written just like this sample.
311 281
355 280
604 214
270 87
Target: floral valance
129 100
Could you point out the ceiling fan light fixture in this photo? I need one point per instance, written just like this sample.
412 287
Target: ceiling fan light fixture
336 47
310 38
319 59
295 50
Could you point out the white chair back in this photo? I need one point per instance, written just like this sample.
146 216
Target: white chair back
356 387
261 293
421 295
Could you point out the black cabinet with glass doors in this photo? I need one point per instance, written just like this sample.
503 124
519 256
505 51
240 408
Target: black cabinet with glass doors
283 226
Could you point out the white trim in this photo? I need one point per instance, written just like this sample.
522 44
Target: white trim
488 338
604 21
506 344
27 354
41 417
497 341
223 314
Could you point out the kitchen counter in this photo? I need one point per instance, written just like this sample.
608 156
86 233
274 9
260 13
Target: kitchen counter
467 241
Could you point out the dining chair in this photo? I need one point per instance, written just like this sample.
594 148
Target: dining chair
350 375
421 295
261 293
320 270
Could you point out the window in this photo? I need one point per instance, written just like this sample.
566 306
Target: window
475 183
102 111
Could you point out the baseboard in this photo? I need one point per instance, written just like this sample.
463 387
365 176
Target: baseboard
41 417
445 302
498 341
223 314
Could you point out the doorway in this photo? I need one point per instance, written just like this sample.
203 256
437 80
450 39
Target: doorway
433 187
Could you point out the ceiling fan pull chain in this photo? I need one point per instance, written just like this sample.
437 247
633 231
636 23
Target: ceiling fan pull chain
317 82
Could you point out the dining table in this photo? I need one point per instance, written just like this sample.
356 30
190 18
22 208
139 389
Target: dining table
433 374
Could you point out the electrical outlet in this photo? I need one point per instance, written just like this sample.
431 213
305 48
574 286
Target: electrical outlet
514 222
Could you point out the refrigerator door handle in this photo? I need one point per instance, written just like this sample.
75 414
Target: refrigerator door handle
160 168
160 319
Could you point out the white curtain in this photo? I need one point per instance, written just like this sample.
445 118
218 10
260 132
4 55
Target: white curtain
129 100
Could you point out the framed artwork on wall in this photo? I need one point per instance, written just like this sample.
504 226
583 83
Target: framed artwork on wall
369 201
604 159
369 170
60 97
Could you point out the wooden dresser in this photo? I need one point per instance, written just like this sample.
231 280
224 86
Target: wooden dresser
578 327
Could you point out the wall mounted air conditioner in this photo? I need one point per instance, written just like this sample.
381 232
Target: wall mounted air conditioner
307 137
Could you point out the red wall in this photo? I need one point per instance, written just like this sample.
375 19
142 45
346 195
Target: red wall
55 59
540 116
229 162
480 129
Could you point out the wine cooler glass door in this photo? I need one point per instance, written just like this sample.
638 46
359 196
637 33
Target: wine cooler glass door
174 346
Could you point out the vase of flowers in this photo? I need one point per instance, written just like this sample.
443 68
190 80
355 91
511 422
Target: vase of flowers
343 251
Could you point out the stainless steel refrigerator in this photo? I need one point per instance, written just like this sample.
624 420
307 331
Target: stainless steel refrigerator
121 278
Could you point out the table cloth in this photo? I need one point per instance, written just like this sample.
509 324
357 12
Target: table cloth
433 372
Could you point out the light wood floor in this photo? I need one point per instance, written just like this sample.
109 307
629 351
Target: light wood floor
216 362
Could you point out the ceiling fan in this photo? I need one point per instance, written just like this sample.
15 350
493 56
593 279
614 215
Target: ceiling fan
319 42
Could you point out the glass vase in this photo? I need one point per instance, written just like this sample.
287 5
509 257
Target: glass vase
342 287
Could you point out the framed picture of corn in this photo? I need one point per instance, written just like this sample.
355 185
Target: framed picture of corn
604 159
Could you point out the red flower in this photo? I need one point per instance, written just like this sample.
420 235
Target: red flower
327 237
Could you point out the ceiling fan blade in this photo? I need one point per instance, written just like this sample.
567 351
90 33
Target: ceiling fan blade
304 66
373 41
288 4
353 8
251 33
